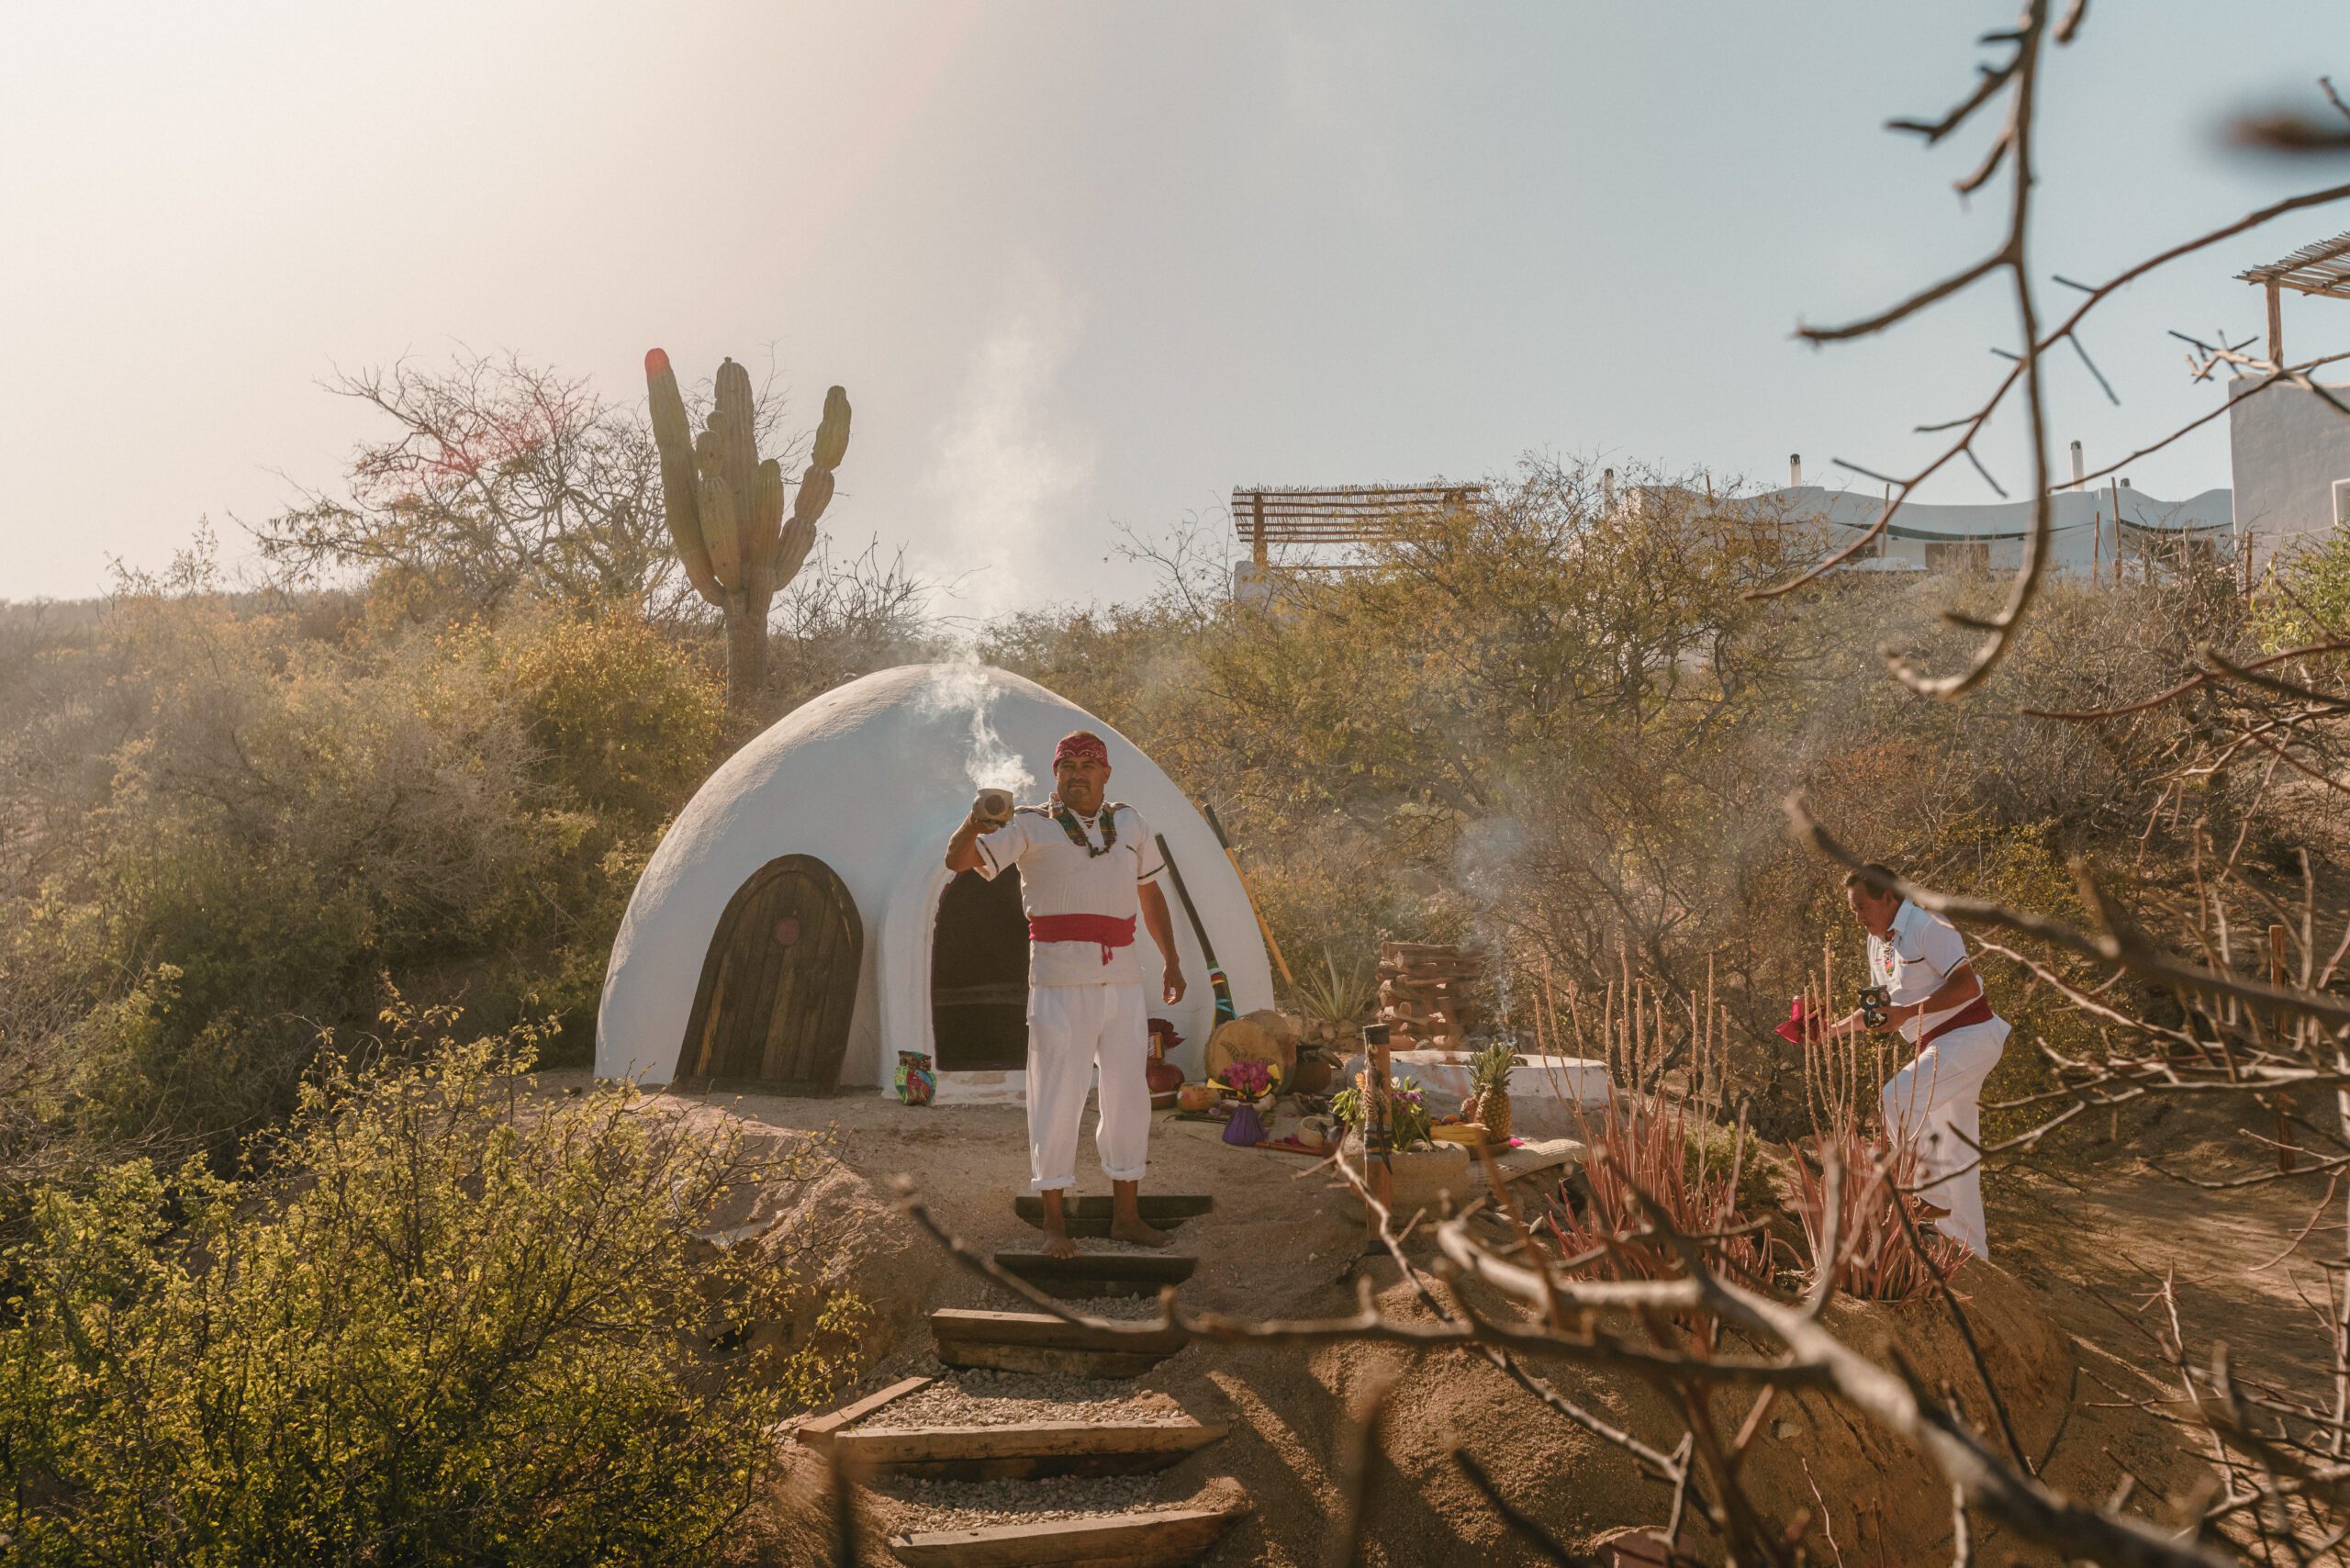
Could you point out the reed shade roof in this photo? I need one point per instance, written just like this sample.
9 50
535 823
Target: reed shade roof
2322 268
1345 515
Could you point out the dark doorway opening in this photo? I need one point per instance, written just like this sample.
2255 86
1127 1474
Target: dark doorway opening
978 975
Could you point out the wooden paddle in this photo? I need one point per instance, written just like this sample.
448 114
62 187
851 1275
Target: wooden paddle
1225 1011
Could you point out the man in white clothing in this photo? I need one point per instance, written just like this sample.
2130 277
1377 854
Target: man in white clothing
1087 869
1920 961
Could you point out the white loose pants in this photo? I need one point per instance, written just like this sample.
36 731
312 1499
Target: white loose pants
1936 1101
1072 1029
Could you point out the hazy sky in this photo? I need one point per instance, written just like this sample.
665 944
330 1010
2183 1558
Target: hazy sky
1083 263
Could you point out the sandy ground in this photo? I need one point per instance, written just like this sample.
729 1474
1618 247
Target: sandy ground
2100 1231
2079 1250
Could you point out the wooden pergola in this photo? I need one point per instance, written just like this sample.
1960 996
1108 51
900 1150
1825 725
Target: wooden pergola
2322 268
1343 514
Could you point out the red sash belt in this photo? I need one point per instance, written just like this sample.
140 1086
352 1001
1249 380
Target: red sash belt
1975 1011
1108 930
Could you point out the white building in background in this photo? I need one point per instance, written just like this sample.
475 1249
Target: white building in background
2084 537
2288 448
2289 461
2288 451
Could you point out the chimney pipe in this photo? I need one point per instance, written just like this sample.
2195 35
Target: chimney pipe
1795 470
1607 488
2078 469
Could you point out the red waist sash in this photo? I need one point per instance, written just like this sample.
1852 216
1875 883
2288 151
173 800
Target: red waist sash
1975 1011
1110 931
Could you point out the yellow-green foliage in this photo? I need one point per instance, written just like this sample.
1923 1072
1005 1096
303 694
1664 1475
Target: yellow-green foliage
280 820
2306 594
448 1324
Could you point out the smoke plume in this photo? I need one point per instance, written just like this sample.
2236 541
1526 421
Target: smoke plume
962 687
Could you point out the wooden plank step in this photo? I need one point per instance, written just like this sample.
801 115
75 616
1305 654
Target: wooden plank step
1095 1226
1019 1451
818 1431
1139 1539
1155 1208
1098 1273
1042 1328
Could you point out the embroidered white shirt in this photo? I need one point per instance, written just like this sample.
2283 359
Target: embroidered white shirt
1923 951
1058 878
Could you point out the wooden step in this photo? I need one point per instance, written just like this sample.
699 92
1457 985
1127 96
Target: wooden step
1020 1451
1158 1208
1039 1342
817 1431
1165 1539
1098 1273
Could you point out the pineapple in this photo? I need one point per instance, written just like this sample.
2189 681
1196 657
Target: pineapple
1488 1101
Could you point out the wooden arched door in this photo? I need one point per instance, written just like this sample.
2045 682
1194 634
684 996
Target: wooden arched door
779 983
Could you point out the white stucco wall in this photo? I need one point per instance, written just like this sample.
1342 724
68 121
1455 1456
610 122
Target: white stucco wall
2081 533
2286 447
871 778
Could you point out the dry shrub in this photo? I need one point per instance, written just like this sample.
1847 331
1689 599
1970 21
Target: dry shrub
1876 1257
1638 1158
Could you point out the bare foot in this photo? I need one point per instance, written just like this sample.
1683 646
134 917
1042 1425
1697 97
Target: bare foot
1137 1232
1057 1244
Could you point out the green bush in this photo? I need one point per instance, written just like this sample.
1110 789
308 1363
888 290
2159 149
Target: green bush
451 1322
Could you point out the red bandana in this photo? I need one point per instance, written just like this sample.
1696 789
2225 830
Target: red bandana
1081 746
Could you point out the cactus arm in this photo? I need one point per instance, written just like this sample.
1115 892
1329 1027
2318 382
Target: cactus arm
831 432
766 521
673 437
815 491
791 550
736 422
717 527
815 494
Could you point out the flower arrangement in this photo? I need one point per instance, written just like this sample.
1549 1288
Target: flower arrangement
1250 1082
1407 1114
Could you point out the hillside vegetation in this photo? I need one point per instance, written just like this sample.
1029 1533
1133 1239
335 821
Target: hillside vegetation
261 847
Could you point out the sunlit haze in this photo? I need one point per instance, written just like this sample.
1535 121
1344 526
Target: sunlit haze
1082 266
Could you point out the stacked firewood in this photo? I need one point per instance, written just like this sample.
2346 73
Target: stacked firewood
1424 994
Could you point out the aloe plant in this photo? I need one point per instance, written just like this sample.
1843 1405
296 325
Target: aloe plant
724 507
1336 995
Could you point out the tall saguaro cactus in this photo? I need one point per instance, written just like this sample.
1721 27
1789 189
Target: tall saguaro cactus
725 507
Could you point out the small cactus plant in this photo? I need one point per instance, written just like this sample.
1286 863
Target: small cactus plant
725 508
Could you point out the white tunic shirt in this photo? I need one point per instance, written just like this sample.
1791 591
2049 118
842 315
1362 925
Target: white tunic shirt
1923 951
1058 878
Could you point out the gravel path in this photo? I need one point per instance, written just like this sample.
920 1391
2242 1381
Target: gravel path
973 1504
975 1397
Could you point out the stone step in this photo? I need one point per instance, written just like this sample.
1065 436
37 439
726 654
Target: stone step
1144 1539
1098 1273
1018 1452
1039 1342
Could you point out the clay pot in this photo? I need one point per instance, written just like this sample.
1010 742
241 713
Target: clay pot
1166 1082
1312 1075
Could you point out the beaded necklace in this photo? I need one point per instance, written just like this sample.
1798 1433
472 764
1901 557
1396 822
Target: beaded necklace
1077 835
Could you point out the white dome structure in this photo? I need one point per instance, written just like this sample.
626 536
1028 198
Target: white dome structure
800 910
